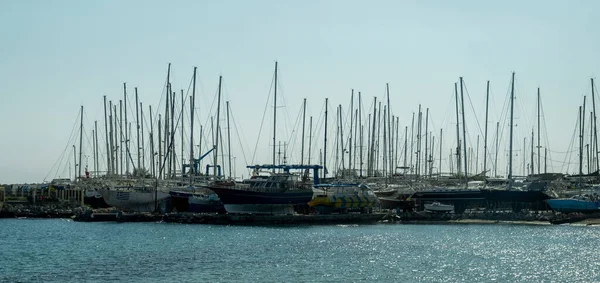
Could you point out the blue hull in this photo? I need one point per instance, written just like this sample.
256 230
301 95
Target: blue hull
573 205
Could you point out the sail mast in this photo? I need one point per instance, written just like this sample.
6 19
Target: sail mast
457 131
303 129
485 138
216 136
127 133
192 106
325 143
510 148
229 141
137 122
464 128
80 141
275 117
595 128
538 130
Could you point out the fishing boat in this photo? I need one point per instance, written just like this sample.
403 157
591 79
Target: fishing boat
579 203
276 193
439 207
329 198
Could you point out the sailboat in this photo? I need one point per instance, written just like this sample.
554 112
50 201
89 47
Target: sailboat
269 192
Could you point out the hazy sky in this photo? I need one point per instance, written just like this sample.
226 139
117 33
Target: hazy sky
59 55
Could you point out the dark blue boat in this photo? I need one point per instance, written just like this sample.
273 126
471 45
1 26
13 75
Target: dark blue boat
274 193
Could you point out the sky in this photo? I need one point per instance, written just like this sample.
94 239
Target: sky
59 55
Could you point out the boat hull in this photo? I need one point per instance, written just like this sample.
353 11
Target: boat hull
190 202
135 201
237 196
573 205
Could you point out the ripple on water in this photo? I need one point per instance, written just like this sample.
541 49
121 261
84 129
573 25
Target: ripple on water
62 251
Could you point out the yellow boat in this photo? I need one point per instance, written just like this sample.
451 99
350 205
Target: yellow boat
329 198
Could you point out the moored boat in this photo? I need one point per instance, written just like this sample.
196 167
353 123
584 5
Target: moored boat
330 198
578 203
276 193
439 207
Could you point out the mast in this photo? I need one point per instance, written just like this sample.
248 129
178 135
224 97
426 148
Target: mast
116 138
142 126
418 165
309 139
545 160
152 144
361 134
538 129
192 106
303 128
80 141
477 156
496 152
405 145
457 131
325 143
341 135
462 101
96 148
110 152
510 149
595 128
389 125
121 135
166 132
485 139
137 123
412 136
426 139
441 139
580 145
182 119
74 164
216 136
160 154
370 170
582 138
351 126
532 167
166 121
275 117
172 142
127 133
229 141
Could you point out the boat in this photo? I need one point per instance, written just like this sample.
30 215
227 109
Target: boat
132 195
275 193
329 198
439 207
579 203
192 200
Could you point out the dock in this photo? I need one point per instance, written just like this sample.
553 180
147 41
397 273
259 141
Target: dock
235 219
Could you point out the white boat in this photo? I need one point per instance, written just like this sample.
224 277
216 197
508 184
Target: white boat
439 207
135 195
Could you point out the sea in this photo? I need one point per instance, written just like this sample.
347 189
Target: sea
60 250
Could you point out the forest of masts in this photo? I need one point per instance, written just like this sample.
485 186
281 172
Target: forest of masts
363 140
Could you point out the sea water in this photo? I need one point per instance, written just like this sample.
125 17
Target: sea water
60 250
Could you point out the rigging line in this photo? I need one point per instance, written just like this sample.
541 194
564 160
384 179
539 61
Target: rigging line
263 119
571 144
473 109
240 136
295 133
61 157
